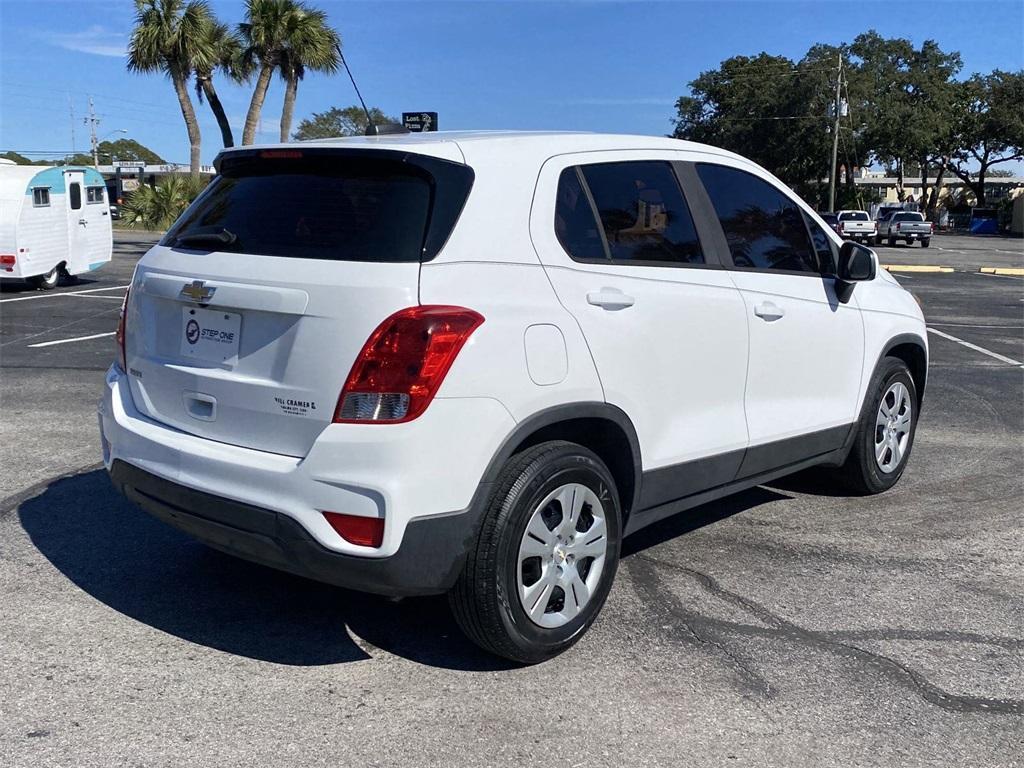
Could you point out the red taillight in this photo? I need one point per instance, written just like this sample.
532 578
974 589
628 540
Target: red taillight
7 259
362 531
119 336
898 227
931 227
403 363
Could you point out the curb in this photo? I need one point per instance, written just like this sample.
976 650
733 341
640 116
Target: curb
915 268
1015 271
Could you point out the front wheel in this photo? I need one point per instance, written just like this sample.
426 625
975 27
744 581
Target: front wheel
885 432
46 282
545 557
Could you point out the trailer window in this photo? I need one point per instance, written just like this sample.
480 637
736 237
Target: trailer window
75 193
93 195
40 197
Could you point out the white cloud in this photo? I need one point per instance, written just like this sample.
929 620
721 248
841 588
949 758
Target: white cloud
96 40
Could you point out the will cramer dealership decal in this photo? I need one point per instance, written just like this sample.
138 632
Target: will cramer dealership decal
295 407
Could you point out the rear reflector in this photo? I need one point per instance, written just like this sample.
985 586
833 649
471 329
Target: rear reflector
403 363
361 531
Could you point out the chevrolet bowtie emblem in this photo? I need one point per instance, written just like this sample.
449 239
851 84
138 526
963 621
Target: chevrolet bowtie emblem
197 291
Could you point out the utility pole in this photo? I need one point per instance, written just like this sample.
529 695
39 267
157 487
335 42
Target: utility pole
92 121
835 140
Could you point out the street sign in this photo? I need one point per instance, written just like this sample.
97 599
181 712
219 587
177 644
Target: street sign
416 122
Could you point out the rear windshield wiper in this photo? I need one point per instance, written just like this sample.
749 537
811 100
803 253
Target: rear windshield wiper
215 236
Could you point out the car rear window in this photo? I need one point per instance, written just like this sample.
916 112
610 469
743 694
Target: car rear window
908 217
853 216
338 206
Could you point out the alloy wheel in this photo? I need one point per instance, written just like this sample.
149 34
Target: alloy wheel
892 427
562 555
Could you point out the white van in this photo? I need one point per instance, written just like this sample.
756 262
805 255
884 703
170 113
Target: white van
53 222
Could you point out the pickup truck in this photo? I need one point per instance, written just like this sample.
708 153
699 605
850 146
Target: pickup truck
905 225
856 225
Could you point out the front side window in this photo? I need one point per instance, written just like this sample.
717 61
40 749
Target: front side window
822 246
93 195
75 195
40 196
643 214
764 228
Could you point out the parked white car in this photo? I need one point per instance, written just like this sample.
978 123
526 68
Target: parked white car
856 225
473 362
908 226
54 222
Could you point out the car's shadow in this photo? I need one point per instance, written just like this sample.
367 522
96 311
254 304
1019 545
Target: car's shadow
156 575
24 286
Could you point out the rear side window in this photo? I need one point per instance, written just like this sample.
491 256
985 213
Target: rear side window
94 195
75 195
764 228
40 197
335 206
575 224
642 212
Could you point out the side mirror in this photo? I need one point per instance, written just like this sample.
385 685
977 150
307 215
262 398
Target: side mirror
856 264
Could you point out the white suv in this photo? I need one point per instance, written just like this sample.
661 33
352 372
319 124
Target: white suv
473 362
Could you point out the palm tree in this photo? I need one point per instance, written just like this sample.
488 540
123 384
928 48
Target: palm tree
288 33
168 37
311 45
222 50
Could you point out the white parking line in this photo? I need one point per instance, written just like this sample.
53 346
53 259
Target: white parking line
989 274
976 348
66 293
68 341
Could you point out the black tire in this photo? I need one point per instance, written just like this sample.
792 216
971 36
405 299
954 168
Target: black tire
892 242
878 239
861 473
925 242
485 600
46 282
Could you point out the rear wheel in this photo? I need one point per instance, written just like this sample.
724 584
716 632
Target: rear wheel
545 556
46 282
892 242
885 432
925 242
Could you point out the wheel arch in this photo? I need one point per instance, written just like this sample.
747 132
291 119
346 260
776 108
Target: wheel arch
913 351
603 428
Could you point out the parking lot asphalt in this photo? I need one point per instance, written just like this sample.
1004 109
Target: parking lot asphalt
787 626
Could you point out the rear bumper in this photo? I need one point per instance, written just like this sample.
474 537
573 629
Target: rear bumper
429 561
423 477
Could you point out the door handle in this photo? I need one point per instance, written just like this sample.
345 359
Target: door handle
83 222
610 298
769 311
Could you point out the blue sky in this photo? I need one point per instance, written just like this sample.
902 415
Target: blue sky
606 66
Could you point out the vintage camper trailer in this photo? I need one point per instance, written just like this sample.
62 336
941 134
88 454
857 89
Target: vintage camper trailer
54 222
